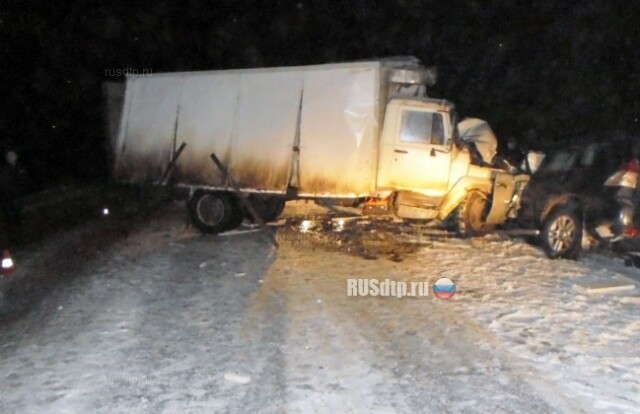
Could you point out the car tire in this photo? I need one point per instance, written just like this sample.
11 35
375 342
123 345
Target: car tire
561 233
214 211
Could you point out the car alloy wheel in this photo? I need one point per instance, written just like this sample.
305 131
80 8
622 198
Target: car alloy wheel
562 232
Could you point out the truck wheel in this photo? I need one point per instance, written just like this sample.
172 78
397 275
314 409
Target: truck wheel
269 208
471 215
561 234
276 209
214 211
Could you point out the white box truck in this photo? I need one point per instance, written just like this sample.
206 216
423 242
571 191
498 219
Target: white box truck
339 131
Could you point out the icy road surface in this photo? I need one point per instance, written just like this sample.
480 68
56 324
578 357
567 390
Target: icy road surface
163 320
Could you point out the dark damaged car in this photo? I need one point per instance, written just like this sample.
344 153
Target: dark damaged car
587 192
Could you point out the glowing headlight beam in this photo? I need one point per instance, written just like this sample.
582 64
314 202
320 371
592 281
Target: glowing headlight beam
7 262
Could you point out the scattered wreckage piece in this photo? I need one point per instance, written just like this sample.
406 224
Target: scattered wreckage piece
632 299
606 287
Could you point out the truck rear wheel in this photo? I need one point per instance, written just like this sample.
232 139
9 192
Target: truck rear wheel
214 211
472 214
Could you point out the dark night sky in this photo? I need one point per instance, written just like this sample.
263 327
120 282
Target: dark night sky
547 72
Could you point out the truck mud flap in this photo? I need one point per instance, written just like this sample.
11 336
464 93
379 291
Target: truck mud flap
244 200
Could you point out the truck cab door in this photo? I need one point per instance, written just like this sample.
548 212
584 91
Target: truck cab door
416 150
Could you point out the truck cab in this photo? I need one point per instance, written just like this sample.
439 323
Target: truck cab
418 146
430 174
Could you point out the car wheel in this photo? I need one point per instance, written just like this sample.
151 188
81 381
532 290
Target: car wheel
214 211
561 235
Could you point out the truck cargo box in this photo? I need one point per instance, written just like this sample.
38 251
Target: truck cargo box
255 120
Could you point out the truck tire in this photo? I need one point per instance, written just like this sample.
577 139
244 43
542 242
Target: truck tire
269 208
561 234
276 208
214 211
471 214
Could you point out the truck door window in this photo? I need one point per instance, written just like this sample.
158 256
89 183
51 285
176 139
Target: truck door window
422 127
437 131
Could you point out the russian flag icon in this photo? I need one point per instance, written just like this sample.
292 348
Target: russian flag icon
444 288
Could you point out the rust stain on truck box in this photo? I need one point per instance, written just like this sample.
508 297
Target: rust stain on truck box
326 184
251 173
248 172
259 174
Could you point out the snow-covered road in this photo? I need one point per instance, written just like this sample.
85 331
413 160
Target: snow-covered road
163 320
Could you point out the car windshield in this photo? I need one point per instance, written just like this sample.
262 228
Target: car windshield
559 162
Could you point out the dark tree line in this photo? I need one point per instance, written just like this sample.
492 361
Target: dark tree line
548 73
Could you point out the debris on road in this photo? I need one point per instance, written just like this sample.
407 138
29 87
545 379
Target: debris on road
237 378
238 232
279 223
360 236
606 287
633 299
